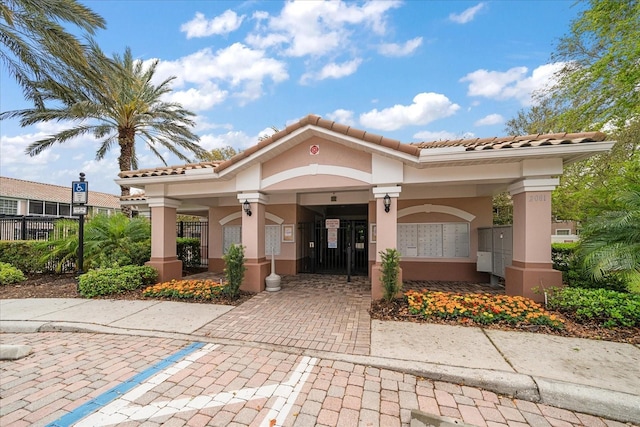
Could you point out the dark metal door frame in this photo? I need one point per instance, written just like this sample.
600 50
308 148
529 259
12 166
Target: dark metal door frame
318 257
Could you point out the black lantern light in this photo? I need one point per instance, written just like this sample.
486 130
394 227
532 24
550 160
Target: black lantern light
387 203
247 207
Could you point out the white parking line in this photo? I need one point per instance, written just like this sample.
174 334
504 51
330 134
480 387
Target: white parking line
124 409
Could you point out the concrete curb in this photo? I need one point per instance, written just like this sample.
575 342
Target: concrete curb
14 352
605 403
610 404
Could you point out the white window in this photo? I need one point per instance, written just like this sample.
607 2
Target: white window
272 239
434 240
8 207
231 235
36 207
563 232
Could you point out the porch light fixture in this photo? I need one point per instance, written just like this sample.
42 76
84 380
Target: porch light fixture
247 207
387 203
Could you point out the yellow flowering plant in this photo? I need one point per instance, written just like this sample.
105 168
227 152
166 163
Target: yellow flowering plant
480 308
187 289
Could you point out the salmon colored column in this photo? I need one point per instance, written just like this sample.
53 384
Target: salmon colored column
253 240
532 271
163 239
386 234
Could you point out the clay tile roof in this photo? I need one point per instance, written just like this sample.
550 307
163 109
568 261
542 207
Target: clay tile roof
477 144
169 170
21 189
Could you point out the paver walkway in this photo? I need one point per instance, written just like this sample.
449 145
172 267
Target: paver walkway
94 379
310 311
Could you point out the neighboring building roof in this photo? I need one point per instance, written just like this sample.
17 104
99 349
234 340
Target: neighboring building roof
21 189
412 149
495 143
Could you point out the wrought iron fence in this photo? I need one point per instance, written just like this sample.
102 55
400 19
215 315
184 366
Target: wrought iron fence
14 227
195 230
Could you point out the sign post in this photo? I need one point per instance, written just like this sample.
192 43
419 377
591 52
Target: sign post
79 199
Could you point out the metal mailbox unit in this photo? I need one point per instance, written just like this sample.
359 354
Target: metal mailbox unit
495 250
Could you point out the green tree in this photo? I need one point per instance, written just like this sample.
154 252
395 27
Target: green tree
115 101
598 84
218 154
36 45
610 242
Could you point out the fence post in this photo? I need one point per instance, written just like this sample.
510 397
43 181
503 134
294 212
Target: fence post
23 231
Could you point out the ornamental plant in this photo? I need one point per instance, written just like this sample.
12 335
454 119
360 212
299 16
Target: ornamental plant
9 274
108 281
200 289
234 270
390 271
601 306
480 308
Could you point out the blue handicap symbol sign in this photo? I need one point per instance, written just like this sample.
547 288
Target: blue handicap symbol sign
80 187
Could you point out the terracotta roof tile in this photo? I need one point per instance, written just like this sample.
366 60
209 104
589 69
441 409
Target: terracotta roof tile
21 189
169 170
476 144
413 149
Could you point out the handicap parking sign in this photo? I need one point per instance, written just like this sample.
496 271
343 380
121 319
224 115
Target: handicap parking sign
80 192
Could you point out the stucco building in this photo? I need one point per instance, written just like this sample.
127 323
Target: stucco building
321 196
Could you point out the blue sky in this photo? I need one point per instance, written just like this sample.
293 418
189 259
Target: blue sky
409 70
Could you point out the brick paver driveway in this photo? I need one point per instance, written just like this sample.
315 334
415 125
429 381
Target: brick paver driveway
317 312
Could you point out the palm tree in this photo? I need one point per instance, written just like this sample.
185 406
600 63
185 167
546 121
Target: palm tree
610 243
35 43
116 101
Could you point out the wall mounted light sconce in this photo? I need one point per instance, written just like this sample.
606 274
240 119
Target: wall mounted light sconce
247 207
387 203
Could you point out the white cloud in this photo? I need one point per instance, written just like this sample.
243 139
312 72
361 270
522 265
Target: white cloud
342 116
236 139
491 119
236 70
426 107
199 26
394 49
467 15
513 83
429 136
199 99
333 71
317 28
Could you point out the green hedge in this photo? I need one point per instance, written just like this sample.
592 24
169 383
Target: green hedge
188 250
566 259
605 307
25 255
108 281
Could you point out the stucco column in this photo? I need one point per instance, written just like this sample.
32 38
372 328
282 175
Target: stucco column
386 234
163 238
532 269
253 240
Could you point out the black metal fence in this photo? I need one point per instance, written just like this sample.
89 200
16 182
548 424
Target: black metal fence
14 227
195 230
28 227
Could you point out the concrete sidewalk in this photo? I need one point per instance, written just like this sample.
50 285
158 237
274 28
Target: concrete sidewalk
594 377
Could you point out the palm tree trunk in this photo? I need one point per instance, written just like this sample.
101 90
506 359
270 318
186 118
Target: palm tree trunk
126 139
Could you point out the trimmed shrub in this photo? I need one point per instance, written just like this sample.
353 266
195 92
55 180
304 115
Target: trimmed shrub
188 249
108 281
28 256
234 270
605 307
9 274
390 271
